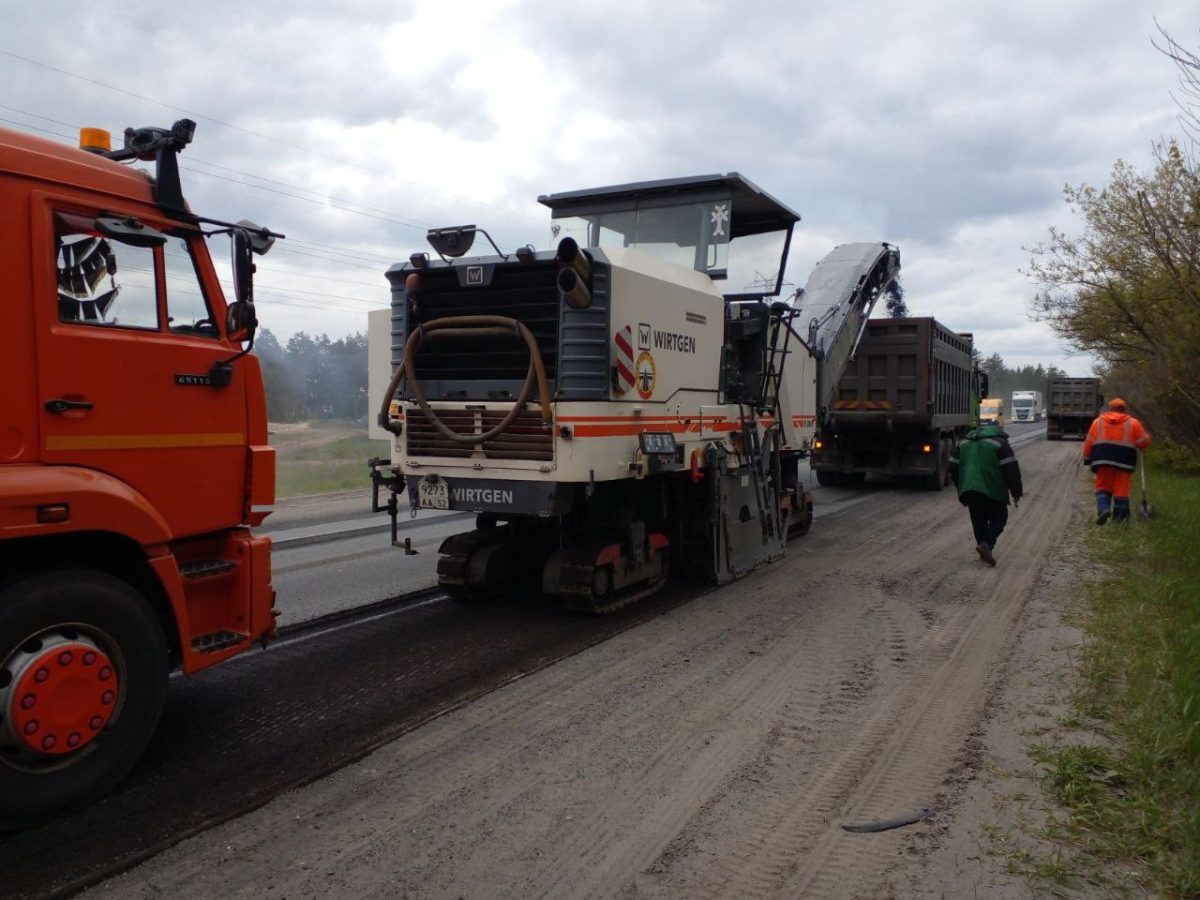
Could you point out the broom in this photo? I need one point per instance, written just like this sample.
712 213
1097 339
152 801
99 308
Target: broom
1145 510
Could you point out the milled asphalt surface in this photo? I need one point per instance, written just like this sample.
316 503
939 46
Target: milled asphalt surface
271 720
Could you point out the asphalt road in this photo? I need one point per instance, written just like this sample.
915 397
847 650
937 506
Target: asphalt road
711 751
338 556
233 738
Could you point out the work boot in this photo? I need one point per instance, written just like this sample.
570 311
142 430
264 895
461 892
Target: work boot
985 553
1102 517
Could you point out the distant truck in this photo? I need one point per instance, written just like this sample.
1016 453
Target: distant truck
1071 406
1027 406
992 410
902 402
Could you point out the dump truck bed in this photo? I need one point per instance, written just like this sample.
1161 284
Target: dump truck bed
907 372
1071 405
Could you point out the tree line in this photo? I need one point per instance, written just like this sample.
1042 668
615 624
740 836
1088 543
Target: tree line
316 377
1126 288
313 377
1002 380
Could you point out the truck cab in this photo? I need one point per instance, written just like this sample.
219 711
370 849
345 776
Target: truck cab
133 459
1027 406
991 410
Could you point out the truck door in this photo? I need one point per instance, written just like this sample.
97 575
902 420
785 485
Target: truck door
126 336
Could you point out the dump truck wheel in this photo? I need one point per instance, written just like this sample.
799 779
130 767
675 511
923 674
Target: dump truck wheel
827 479
936 480
83 676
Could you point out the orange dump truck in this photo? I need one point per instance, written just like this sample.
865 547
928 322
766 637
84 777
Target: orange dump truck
133 458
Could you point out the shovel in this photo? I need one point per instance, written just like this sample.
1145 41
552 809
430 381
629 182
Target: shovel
1145 510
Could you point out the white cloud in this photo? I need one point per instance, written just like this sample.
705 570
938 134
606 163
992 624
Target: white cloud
946 127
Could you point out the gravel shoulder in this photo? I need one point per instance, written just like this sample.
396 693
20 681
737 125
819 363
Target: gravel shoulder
715 751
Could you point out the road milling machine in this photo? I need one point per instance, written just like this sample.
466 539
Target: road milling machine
635 399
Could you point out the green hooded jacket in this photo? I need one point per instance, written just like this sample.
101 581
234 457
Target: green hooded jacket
984 463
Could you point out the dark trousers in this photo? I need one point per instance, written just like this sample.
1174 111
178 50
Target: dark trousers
988 518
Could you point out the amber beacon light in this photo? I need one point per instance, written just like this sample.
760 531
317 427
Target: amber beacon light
97 140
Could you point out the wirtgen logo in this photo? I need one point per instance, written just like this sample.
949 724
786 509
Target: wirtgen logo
482 495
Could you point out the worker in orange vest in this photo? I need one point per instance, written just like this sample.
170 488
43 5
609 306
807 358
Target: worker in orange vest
1111 450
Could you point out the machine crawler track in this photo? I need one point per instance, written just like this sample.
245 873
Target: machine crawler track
609 602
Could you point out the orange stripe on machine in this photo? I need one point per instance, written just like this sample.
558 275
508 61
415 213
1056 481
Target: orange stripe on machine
632 426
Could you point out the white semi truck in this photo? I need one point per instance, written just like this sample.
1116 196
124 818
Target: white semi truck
1027 406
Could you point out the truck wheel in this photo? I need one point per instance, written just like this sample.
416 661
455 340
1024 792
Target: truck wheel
936 480
83 676
828 479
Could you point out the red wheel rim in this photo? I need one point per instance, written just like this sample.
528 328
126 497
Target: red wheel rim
62 696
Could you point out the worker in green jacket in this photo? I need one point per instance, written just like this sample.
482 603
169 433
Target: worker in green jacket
985 469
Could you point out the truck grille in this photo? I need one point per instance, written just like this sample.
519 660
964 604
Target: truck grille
528 294
524 439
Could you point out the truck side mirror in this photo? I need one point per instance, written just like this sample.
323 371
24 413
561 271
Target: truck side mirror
240 320
261 240
243 266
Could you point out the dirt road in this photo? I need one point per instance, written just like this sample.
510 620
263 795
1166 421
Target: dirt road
713 752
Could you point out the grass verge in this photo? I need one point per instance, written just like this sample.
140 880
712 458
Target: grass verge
1132 795
317 458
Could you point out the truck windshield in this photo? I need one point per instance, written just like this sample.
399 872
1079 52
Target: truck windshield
1021 403
695 235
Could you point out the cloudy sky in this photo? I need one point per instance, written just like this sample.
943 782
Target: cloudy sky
947 127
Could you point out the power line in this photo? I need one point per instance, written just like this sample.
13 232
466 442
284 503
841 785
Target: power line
317 199
295 273
414 222
332 251
31 115
334 201
376 263
388 260
33 127
298 252
257 134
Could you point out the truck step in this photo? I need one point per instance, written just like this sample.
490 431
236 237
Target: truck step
218 640
206 568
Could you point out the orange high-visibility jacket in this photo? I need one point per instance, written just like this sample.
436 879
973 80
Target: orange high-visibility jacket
1114 440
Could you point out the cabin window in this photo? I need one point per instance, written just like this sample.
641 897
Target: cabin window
188 309
101 281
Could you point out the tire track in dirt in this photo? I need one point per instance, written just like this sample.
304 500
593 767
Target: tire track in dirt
819 697
711 752
645 806
776 698
900 753
937 716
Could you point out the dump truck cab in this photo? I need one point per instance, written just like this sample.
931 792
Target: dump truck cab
133 458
